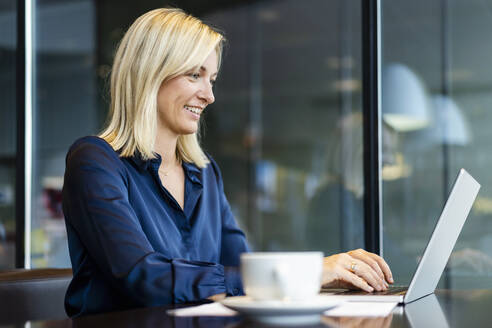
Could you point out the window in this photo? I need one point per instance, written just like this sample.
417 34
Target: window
436 93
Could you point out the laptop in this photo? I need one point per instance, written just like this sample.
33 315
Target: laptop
437 251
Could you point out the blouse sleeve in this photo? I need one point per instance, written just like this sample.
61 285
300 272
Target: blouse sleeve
96 206
233 241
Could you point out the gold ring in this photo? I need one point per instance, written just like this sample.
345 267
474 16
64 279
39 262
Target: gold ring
352 267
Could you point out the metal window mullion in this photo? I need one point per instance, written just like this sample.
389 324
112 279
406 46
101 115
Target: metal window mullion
28 130
379 118
24 133
371 54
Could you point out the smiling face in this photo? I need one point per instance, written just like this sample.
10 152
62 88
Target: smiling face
181 100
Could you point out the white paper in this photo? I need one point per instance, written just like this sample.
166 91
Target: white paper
211 310
361 309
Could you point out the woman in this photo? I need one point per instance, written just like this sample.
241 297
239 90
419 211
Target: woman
147 219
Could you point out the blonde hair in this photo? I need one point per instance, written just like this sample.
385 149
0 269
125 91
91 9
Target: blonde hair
158 46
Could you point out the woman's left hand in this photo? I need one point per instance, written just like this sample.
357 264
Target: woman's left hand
356 269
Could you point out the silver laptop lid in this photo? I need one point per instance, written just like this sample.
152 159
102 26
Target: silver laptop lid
444 237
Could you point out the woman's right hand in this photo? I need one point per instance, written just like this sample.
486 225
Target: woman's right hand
357 269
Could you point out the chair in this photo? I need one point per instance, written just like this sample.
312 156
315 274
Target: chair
35 294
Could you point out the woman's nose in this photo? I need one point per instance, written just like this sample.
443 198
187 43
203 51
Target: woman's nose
207 93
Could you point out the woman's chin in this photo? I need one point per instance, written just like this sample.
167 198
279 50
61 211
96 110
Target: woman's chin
189 129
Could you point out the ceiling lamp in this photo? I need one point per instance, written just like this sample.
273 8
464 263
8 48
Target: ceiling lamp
405 102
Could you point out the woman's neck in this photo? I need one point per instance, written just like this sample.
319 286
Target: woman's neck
165 146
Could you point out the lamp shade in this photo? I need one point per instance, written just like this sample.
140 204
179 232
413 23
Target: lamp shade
450 125
405 101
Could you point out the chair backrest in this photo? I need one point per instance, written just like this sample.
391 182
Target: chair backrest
34 294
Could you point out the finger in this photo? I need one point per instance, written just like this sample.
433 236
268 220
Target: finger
369 275
384 266
355 281
367 258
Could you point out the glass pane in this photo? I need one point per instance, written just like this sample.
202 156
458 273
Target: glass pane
466 132
8 40
435 78
286 127
412 167
65 108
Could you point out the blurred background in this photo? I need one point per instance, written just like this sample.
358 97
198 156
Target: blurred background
286 127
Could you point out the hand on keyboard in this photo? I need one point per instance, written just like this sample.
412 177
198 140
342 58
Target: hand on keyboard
357 269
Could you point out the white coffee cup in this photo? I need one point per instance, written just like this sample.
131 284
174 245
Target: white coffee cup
292 276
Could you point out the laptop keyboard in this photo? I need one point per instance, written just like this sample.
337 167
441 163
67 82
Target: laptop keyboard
392 290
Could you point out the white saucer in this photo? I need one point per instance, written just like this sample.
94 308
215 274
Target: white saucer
282 312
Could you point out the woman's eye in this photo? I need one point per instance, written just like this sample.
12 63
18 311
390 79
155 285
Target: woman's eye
212 82
194 76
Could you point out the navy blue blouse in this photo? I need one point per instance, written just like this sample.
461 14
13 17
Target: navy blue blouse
131 244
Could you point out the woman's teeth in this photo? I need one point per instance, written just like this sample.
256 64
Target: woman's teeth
194 110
